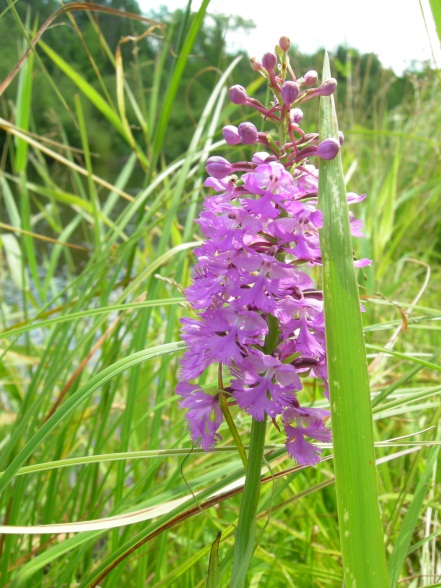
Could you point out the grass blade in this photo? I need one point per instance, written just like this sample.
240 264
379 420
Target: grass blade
78 397
412 517
361 532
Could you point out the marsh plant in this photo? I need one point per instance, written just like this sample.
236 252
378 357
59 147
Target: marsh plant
260 316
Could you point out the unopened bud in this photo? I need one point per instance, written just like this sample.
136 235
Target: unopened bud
290 91
341 137
310 78
238 94
328 149
218 167
231 135
328 87
255 65
269 61
296 115
284 43
247 133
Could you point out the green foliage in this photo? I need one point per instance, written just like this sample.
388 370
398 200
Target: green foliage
361 533
84 39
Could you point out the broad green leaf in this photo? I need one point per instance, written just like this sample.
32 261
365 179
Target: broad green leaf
361 533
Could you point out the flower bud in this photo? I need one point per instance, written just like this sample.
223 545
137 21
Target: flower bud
290 91
328 149
247 133
255 65
269 61
284 43
296 116
218 167
231 135
238 94
328 87
310 78
341 138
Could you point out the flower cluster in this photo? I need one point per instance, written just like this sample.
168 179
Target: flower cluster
258 312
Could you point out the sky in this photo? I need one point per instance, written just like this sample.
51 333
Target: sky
393 29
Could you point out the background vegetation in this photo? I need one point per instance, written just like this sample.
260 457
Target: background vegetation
104 132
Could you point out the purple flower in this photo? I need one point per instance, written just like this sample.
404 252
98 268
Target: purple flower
218 167
269 61
308 423
289 91
264 384
328 149
328 87
284 43
231 135
204 414
261 230
238 95
362 262
310 78
247 133
296 115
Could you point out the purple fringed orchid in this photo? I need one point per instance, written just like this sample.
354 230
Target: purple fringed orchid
203 416
261 232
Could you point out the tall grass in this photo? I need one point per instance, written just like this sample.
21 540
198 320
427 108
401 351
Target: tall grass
361 533
100 483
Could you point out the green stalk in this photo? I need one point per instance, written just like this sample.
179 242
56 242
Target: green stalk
246 527
361 532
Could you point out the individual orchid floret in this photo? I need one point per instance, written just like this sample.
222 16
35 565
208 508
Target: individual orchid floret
269 61
290 92
305 422
257 66
355 198
231 135
264 384
328 149
296 116
363 262
218 167
309 79
327 88
238 94
284 43
247 133
204 414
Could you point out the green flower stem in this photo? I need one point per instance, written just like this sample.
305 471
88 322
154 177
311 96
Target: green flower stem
246 527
